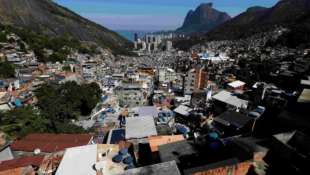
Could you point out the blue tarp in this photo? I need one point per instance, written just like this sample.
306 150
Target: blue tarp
104 98
165 116
111 110
101 117
259 110
117 136
213 135
215 145
182 129
18 103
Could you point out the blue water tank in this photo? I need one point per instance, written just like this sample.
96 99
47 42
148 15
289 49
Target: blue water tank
213 135
214 146
104 98
117 159
123 151
128 160
182 129
130 166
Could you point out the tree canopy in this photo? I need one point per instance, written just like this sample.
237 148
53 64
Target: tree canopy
68 101
3 36
7 70
57 106
21 121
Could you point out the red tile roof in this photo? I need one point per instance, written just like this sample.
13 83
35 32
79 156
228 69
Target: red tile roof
21 162
50 142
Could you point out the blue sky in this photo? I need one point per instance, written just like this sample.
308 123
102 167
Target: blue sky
150 14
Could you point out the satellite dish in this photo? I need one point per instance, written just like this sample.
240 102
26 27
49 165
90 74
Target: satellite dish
37 151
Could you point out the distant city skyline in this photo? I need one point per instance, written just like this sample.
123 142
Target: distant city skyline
151 15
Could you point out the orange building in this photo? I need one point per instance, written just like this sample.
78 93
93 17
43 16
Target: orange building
196 79
200 79
195 56
237 169
146 71
156 141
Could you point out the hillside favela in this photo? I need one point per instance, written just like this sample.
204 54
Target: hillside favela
154 87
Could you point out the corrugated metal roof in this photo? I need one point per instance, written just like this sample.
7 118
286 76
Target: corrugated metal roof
147 111
233 118
78 161
304 96
176 150
166 168
183 110
228 98
6 154
85 160
236 84
305 82
140 127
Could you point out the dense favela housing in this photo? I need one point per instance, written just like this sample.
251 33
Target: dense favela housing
108 106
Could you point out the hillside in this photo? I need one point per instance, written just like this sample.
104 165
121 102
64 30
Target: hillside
258 19
48 18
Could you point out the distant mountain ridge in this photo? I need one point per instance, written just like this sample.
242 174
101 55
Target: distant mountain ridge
258 19
293 15
47 17
256 9
203 19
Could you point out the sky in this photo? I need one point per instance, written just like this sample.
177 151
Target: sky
151 15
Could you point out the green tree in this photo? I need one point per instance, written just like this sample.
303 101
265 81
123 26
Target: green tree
57 56
3 37
7 70
22 121
22 46
90 97
62 103
66 68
